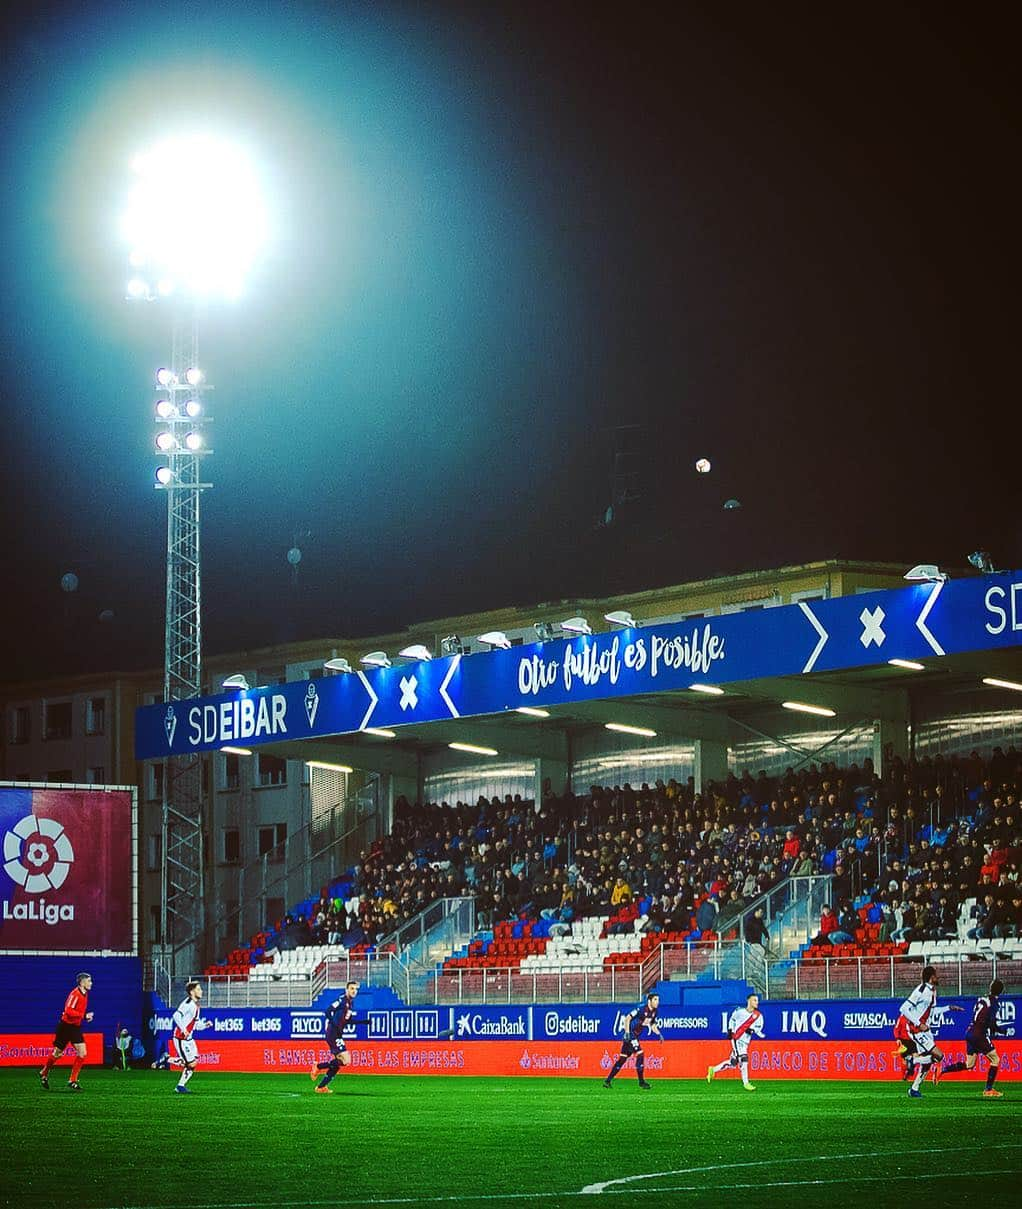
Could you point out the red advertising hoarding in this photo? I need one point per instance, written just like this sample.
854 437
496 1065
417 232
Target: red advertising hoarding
32 1049
581 1059
67 883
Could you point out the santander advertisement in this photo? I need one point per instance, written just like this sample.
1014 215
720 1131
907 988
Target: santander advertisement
67 883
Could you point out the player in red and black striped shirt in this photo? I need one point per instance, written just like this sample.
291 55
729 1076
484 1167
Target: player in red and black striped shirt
69 1032
979 1039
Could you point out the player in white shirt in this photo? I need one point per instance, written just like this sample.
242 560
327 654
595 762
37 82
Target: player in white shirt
184 1051
913 1032
742 1025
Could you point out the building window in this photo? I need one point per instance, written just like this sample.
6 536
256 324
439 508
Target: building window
62 776
95 775
21 724
232 771
154 925
154 781
274 912
231 845
272 840
154 850
95 716
272 770
57 720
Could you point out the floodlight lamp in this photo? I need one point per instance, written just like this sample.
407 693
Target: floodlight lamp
337 664
622 618
925 573
165 442
416 651
166 377
165 287
164 476
375 659
193 376
495 638
237 681
137 288
576 625
193 409
205 237
982 561
544 630
451 645
165 409
193 441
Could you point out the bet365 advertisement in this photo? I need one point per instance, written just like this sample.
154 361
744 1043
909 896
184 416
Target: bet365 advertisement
68 880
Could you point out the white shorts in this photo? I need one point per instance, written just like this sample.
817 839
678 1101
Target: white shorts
186 1050
924 1042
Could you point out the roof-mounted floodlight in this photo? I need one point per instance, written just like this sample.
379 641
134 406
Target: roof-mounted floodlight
416 651
803 707
622 618
337 664
532 711
237 681
376 659
495 638
576 625
925 573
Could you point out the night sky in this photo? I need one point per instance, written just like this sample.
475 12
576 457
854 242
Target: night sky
784 238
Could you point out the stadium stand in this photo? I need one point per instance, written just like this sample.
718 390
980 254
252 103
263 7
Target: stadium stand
924 861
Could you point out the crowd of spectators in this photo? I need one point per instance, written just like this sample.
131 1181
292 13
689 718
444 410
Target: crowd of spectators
918 841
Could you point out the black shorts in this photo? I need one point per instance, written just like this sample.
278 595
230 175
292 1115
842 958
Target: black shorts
631 1045
68 1034
978 1045
335 1042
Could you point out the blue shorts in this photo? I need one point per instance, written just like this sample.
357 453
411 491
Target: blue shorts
630 1045
978 1045
335 1042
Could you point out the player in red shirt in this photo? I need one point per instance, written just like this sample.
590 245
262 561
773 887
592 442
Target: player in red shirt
69 1032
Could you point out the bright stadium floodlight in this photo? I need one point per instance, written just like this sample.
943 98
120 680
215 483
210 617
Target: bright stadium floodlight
802 707
236 751
193 409
376 659
926 573
165 409
337 664
909 665
166 377
625 728
416 651
576 625
994 682
195 215
381 732
164 476
473 749
710 689
622 618
532 711
193 376
193 441
238 680
165 442
495 638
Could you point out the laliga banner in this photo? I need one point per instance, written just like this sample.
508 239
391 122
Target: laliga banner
68 880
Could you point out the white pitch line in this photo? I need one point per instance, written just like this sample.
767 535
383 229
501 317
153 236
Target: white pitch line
483 1197
596 1189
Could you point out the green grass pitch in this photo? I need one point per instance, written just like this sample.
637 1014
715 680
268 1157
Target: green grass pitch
268 1142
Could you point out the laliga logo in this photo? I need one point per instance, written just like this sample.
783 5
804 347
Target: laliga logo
37 854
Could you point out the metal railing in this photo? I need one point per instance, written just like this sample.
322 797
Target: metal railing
791 911
888 977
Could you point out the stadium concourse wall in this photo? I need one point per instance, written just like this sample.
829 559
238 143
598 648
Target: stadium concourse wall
836 1039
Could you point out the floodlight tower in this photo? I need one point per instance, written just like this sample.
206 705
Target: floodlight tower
187 245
